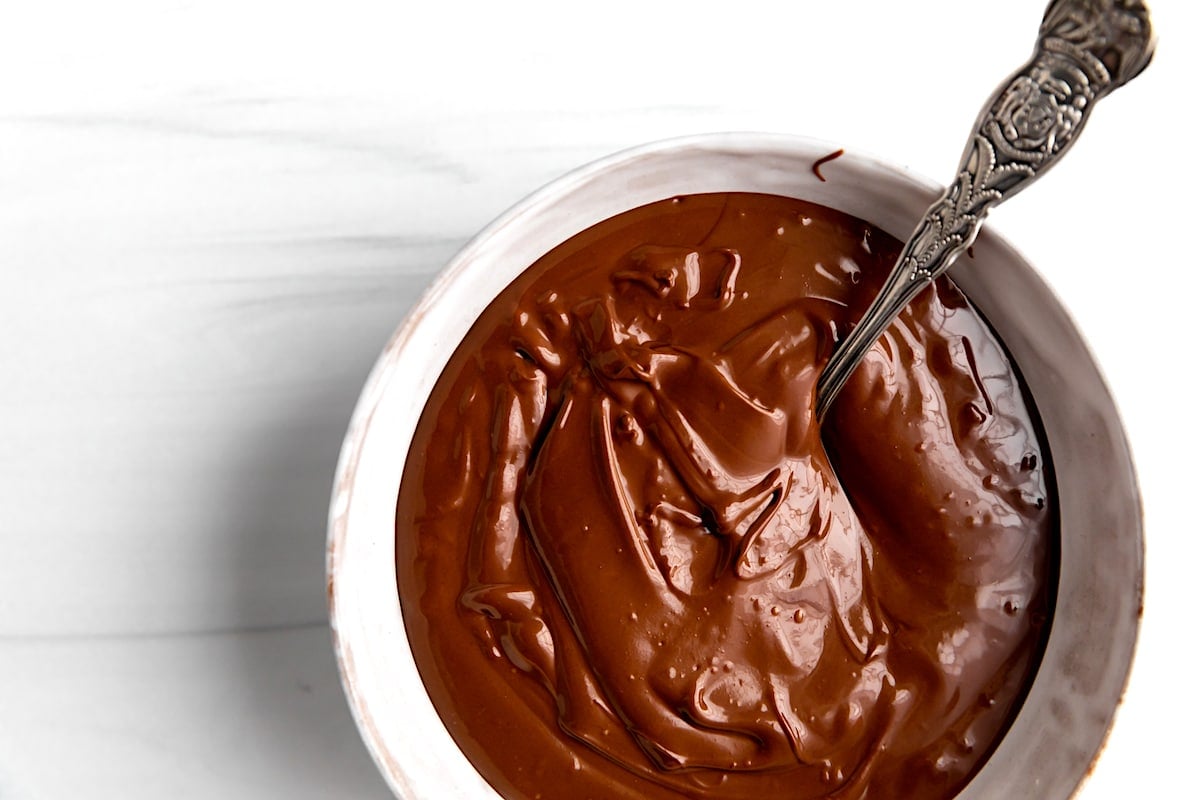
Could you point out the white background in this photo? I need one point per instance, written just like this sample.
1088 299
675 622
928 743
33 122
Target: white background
212 215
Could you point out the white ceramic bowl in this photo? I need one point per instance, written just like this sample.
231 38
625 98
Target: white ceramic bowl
1063 723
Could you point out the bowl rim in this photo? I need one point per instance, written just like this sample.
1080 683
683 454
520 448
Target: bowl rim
360 550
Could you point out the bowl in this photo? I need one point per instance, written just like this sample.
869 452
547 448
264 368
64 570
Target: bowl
1061 727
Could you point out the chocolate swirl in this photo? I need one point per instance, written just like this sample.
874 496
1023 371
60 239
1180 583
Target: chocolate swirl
635 561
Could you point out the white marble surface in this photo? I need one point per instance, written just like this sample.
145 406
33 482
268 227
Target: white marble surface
212 214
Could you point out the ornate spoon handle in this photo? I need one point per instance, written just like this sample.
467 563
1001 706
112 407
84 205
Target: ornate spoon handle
1085 49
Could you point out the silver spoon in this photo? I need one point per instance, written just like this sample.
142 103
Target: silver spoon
1085 49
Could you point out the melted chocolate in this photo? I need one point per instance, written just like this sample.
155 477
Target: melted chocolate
630 567
823 160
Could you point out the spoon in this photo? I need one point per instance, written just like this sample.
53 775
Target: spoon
1085 49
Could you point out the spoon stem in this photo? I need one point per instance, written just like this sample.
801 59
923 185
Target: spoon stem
1085 49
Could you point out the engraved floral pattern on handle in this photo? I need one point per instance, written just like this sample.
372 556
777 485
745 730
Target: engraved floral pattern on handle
1085 49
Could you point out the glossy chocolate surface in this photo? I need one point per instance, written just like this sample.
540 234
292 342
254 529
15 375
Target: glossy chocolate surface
630 566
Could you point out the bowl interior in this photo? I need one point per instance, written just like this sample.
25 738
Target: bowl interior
1063 722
